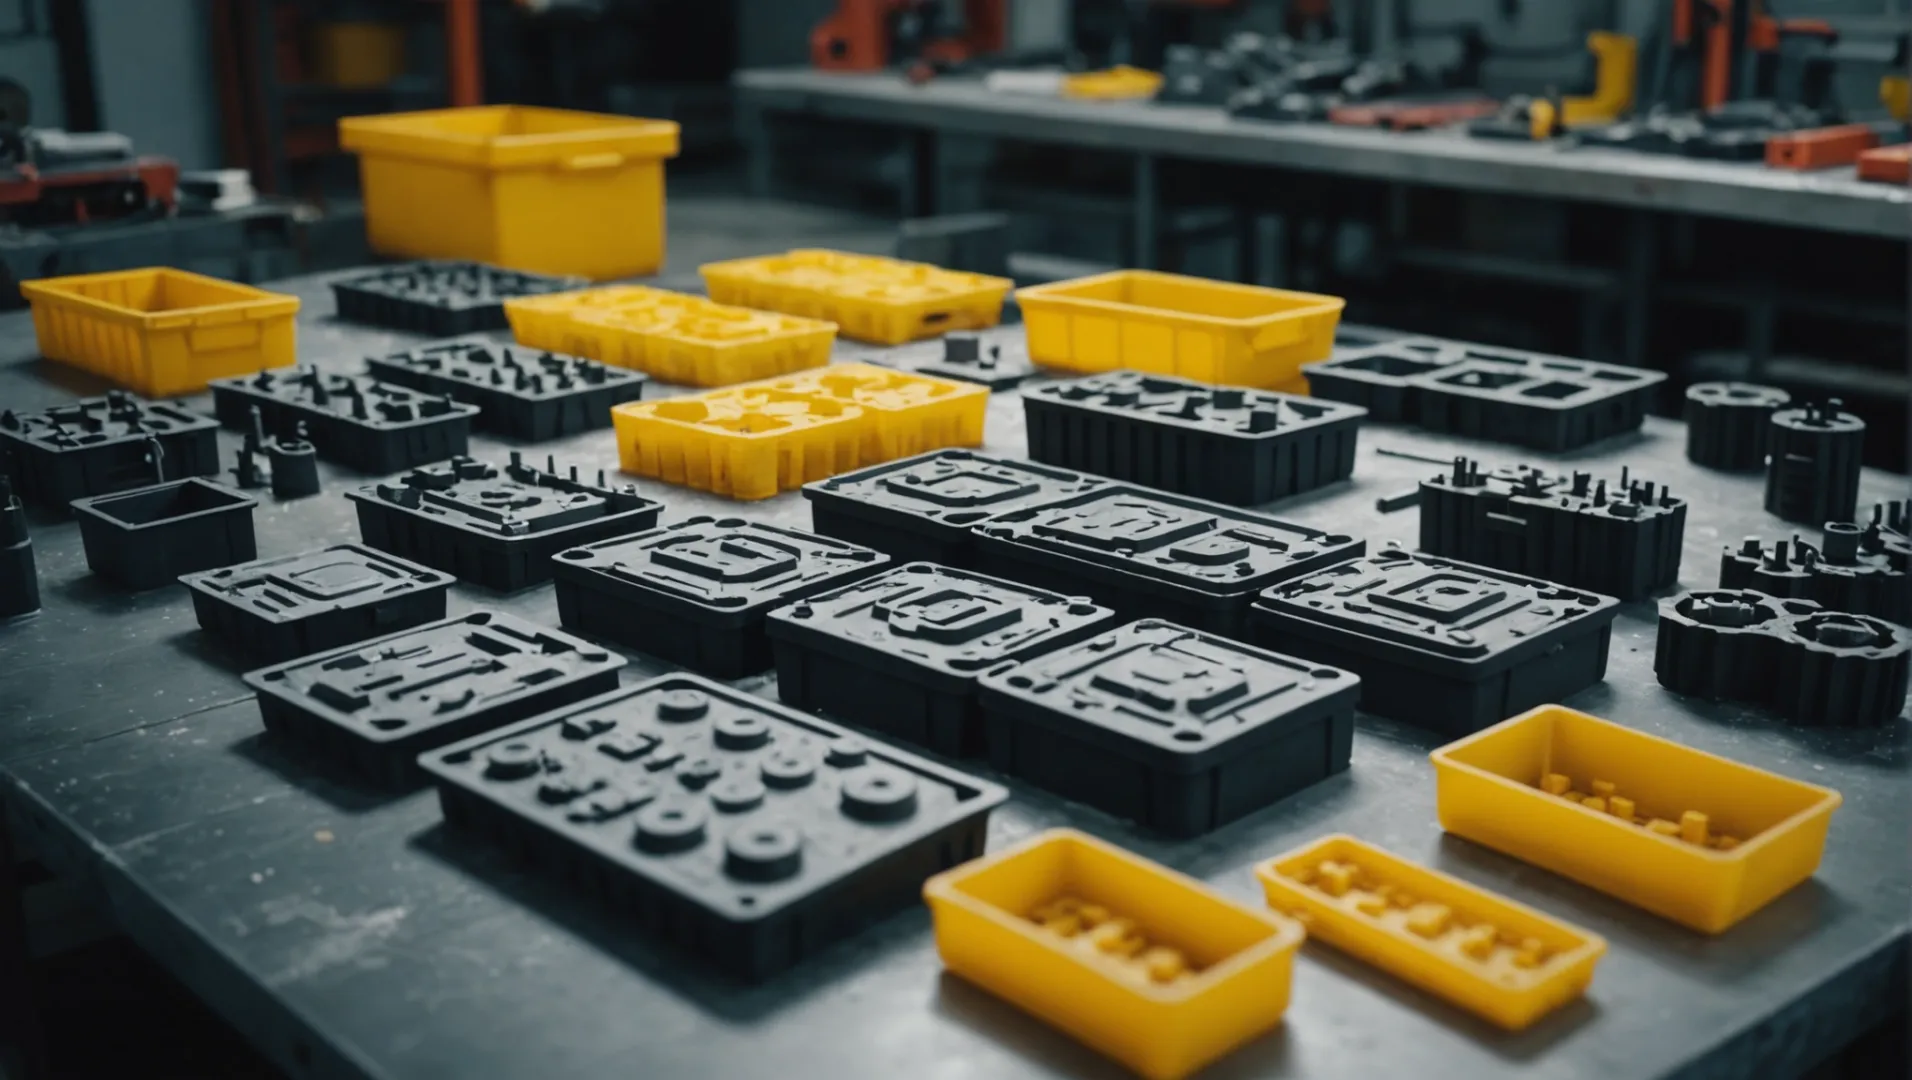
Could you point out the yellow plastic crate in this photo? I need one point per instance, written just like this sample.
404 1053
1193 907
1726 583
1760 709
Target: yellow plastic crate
161 332
1489 955
758 439
546 190
1119 83
1171 324
1147 966
870 298
1685 834
671 336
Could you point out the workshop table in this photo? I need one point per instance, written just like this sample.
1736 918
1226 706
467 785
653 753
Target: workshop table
347 933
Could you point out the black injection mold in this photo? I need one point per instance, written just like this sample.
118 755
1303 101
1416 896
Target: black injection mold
1857 569
747 834
1728 424
19 576
899 653
998 361
100 445
371 708
272 610
1812 463
695 592
147 537
1152 555
1550 403
1181 731
440 298
1812 667
1439 643
521 393
354 421
496 527
1621 538
920 509
1228 444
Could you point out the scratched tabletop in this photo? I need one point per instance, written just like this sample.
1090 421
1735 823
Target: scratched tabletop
347 933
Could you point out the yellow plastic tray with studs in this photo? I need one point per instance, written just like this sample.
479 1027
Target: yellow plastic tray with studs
1147 966
870 298
671 336
1491 956
1685 834
758 439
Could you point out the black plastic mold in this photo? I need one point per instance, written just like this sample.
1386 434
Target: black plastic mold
1439 643
1153 555
922 508
1812 667
147 537
1181 731
19 575
1858 569
521 393
999 361
274 610
1728 424
371 708
100 445
1622 538
1813 462
1551 403
1236 446
495 527
353 420
440 298
747 834
695 592
900 653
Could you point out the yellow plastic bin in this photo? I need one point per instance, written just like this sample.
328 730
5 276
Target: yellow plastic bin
161 332
1154 969
546 190
1685 834
870 298
1172 324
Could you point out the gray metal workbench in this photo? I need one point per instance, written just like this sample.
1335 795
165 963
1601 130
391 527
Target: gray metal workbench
1832 200
349 934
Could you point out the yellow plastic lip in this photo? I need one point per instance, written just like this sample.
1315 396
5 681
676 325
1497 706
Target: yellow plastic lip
428 136
1284 933
1307 303
1829 800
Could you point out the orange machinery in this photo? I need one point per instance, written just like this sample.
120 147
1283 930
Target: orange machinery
870 35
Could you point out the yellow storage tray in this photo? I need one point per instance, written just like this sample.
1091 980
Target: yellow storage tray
1147 966
1489 955
870 298
161 332
671 336
1685 834
547 190
1171 324
758 439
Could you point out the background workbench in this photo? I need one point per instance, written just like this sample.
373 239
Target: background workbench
347 933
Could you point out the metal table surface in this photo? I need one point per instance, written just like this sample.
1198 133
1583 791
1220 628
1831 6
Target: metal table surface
347 933
1832 200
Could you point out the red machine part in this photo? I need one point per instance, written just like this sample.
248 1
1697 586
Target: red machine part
157 177
858 36
1821 148
1887 164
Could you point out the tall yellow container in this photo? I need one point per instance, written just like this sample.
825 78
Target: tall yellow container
1172 324
546 190
161 332
1154 969
1685 834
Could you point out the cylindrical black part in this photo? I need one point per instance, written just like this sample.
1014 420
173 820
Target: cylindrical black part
1727 423
1812 464
1840 670
295 469
19 577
